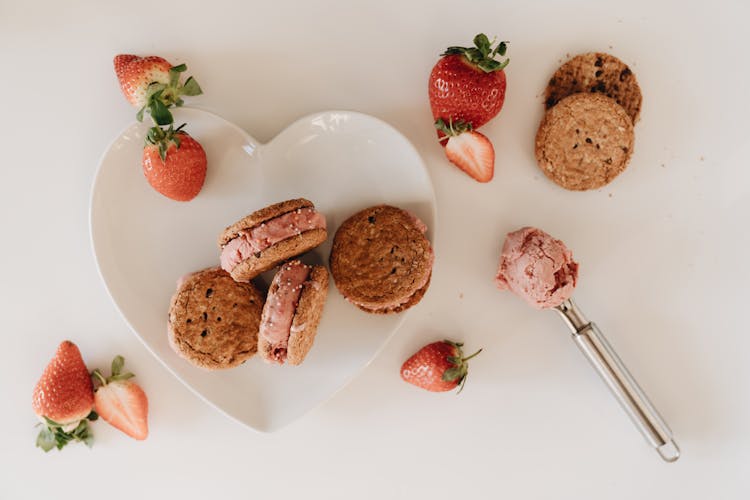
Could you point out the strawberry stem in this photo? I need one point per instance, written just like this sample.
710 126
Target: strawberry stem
452 128
469 357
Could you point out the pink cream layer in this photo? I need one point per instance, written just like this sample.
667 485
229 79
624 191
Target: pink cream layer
537 267
251 241
281 305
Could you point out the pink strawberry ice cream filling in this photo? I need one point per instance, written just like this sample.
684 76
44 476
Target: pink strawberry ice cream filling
281 305
537 267
256 239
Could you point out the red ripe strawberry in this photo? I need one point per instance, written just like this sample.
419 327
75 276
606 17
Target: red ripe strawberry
174 163
63 398
468 83
152 82
437 367
122 402
469 150
135 74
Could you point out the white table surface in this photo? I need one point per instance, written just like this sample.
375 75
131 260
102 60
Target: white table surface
663 253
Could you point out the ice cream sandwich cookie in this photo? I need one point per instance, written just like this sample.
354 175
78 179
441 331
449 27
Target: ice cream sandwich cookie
269 236
292 312
214 320
381 260
584 141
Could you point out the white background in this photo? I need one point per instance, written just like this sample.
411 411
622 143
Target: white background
663 253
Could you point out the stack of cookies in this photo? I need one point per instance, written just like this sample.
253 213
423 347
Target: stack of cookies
219 319
586 137
381 262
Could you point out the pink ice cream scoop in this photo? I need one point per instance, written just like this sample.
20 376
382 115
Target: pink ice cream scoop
541 270
537 267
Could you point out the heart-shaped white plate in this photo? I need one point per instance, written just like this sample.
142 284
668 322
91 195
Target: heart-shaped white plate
143 242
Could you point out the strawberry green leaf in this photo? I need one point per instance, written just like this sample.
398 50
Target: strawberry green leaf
483 44
51 423
96 376
160 113
191 87
488 65
162 151
180 68
453 374
117 365
482 55
46 439
53 436
500 49
139 114
93 416
450 129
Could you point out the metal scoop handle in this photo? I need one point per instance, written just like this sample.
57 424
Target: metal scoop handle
595 347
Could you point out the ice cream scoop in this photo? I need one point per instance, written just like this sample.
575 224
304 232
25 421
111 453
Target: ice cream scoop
540 269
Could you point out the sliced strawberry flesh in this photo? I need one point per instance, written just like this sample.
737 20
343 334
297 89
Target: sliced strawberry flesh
125 406
473 153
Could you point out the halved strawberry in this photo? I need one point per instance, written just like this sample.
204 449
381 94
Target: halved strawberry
121 402
468 149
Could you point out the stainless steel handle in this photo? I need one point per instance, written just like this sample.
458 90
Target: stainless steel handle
610 367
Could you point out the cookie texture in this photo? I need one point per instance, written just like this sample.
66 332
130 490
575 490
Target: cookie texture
599 73
381 260
584 141
305 321
278 253
307 317
262 215
214 320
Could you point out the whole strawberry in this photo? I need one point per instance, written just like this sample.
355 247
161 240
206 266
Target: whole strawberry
121 402
438 367
63 399
153 83
468 84
174 163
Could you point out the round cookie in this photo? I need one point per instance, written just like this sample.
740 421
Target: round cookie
214 320
584 142
596 72
380 260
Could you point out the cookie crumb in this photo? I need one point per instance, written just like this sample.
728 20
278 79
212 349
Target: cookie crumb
461 295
